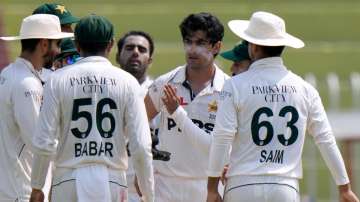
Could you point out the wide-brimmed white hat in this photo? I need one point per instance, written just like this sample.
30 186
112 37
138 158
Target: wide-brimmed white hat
40 26
264 29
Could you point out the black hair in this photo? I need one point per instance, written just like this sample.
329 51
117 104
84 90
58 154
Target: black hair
93 48
272 51
29 44
147 36
206 22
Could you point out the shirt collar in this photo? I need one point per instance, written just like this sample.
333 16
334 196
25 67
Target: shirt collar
29 66
217 82
146 84
22 61
268 62
92 59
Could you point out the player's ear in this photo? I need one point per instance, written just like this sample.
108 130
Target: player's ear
44 45
150 60
217 47
110 45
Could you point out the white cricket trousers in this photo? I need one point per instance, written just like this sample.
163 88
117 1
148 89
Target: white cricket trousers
261 189
64 186
179 189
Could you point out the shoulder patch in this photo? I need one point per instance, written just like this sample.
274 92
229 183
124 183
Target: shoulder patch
225 94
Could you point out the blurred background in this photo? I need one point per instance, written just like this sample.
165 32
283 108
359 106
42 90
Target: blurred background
330 59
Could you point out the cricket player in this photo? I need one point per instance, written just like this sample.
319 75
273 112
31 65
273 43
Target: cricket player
263 115
135 50
87 106
187 99
239 55
21 90
66 21
68 56
65 16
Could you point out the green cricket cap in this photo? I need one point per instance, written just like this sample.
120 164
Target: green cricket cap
67 47
58 10
94 29
238 53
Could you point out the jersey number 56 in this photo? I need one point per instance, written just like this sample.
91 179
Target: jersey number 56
100 116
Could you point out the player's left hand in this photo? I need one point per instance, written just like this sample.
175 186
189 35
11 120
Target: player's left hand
223 174
213 197
170 99
346 194
37 195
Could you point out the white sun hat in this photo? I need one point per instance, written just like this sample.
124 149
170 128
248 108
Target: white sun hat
265 29
40 26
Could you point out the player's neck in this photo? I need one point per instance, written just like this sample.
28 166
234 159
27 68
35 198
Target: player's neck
34 59
200 75
141 79
200 79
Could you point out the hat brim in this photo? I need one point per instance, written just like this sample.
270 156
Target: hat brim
239 27
69 20
230 55
61 35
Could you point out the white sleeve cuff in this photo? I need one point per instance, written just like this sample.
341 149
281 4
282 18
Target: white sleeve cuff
39 172
179 115
332 157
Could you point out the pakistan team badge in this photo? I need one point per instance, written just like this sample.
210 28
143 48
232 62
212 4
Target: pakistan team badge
212 106
61 9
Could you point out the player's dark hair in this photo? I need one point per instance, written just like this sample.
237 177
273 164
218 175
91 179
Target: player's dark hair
147 36
206 22
92 48
272 51
29 44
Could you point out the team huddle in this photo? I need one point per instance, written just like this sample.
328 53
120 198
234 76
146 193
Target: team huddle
74 127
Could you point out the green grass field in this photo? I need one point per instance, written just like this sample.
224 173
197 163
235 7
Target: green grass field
330 29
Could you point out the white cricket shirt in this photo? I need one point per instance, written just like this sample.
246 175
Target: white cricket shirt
20 99
87 107
186 133
264 114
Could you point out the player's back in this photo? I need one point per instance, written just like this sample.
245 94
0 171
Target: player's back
272 107
92 96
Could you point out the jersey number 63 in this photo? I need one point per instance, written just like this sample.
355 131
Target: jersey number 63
256 125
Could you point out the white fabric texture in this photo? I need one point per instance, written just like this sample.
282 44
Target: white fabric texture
177 189
133 196
65 189
92 184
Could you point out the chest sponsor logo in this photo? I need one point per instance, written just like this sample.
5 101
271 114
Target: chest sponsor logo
207 127
183 102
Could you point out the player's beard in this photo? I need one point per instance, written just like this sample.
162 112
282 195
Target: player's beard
137 71
48 60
